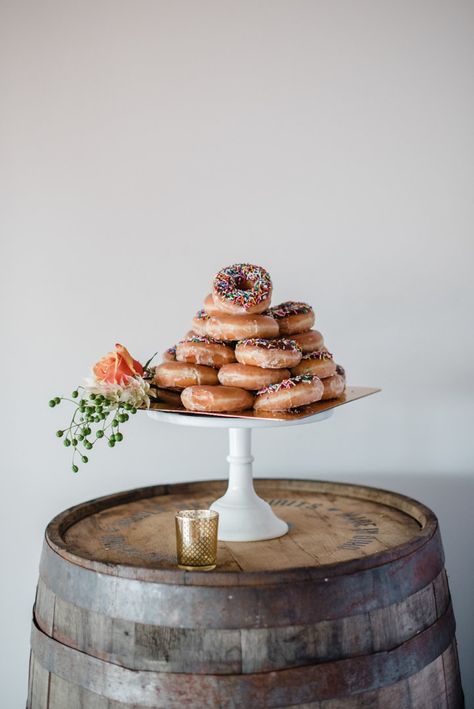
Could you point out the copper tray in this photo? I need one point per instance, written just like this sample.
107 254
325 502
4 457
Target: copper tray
351 394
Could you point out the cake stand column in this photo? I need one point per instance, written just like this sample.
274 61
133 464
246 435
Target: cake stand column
243 515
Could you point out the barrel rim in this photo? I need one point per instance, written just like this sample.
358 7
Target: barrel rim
58 526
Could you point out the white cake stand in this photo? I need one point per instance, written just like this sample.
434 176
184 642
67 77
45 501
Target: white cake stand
243 515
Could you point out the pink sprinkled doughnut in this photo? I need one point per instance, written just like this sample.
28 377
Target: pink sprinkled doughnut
242 288
270 354
289 394
204 350
293 317
239 327
319 363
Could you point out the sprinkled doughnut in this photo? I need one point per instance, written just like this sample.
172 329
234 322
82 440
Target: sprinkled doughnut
216 398
200 321
239 327
289 394
242 288
204 350
319 363
293 317
169 355
309 341
333 387
179 375
210 307
271 354
249 377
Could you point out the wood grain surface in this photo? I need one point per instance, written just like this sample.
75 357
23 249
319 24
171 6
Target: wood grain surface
330 523
325 528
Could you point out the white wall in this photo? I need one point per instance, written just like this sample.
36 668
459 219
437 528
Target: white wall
146 144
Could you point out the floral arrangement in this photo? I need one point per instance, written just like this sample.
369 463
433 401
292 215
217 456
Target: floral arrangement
116 390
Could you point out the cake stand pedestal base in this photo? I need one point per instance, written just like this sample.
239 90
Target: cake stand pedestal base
243 515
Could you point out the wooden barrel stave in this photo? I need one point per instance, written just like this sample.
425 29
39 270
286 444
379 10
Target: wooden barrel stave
350 677
425 690
421 691
322 596
221 651
357 615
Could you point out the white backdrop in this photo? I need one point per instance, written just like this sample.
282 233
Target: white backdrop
145 145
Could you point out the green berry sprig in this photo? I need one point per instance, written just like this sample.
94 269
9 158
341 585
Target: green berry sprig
94 418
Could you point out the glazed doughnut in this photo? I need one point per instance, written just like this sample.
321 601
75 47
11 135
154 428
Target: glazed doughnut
168 396
239 327
319 363
289 394
293 317
179 375
249 377
242 288
216 398
333 387
169 355
200 321
204 350
341 371
210 307
270 354
309 341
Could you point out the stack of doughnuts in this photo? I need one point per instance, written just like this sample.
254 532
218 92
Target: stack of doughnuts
243 353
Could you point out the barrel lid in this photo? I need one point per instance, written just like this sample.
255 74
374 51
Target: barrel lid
335 528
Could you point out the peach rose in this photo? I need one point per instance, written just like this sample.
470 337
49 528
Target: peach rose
117 367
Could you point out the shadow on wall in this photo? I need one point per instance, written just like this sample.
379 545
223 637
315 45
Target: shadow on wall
451 497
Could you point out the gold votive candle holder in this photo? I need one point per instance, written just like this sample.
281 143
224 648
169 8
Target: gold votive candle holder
196 539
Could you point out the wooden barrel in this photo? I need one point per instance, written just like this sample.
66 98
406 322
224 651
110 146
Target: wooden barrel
350 609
